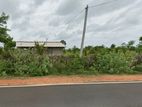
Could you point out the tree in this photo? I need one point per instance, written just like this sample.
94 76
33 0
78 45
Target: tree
4 36
139 46
123 45
88 50
140 39
64 42
112 46
130 44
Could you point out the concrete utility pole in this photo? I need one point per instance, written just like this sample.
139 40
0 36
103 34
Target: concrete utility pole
84 31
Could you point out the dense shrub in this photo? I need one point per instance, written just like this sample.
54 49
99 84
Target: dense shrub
137 60
114 63
137 63
66 65
31 63
20 63
3 66
138 68
6 63
72 65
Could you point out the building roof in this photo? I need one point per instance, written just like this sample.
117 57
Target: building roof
29 44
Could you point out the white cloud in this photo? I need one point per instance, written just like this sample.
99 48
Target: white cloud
116 22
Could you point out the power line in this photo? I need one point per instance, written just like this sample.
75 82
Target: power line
104 3
79 13
71 21
75 17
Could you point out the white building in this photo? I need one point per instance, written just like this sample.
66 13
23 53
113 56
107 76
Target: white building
53 48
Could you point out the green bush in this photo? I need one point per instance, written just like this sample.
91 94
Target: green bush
6 63
114 63
6 68
138 68
66 65
70 65
2 68
30 63
20 63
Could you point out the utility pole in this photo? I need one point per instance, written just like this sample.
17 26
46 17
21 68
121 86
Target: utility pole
84 31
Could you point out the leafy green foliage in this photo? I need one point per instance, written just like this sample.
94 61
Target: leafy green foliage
4 36
138 68
39 48
30 63
113 63
112 46
70 65
20 63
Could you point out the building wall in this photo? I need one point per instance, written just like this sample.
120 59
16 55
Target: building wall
55 51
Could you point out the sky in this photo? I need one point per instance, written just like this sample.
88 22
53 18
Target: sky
113 23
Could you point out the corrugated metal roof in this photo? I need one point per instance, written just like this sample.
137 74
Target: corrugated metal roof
32 44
